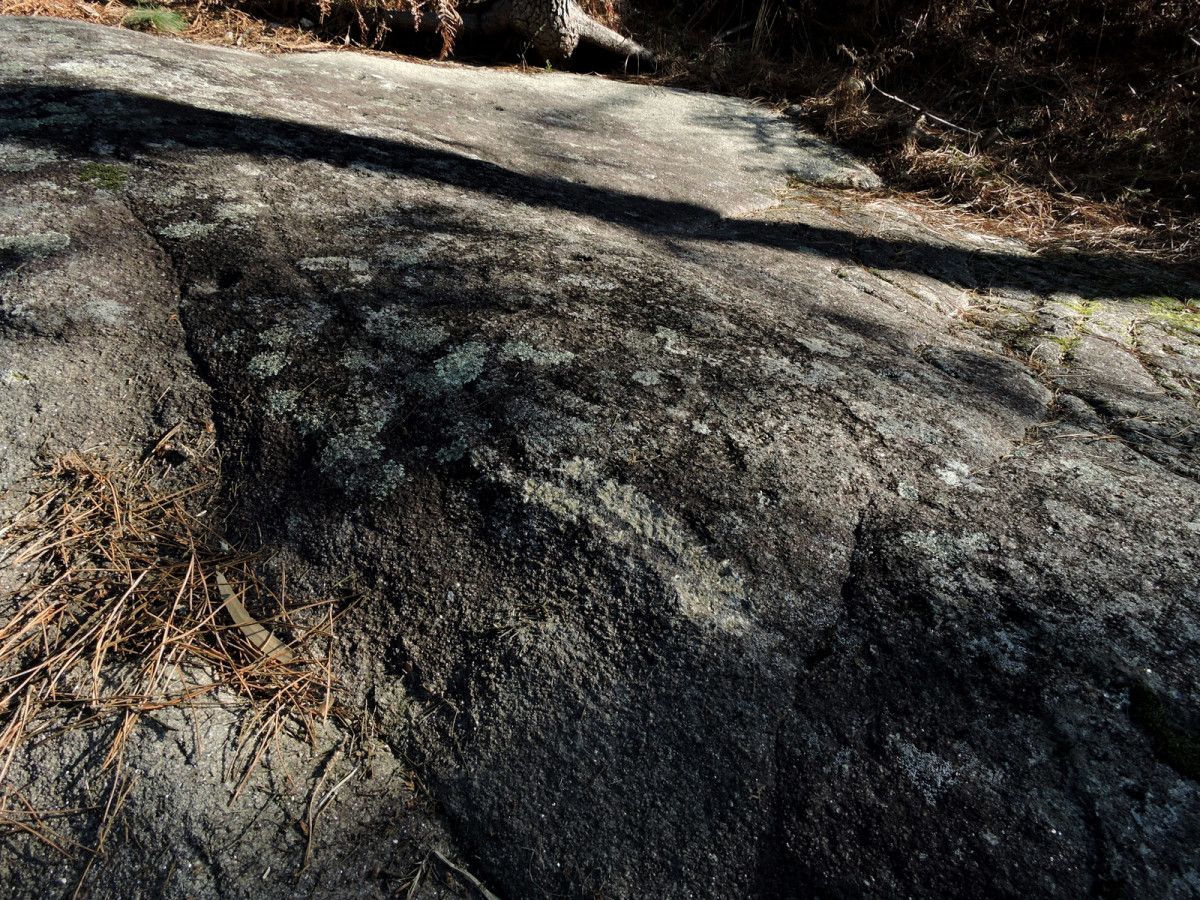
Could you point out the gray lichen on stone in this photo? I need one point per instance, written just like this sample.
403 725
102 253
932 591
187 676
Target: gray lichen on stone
460 367
16 158
453 451
268 364
931 774
36 245
671 341
235 212
646 377
823 347
355 460
395 327
106 310
358 272
186 230
228 343
957 474
357 361
277 337
281 403
706 589
591 283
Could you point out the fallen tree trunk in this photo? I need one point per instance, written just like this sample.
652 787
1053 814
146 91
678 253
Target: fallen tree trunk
554 29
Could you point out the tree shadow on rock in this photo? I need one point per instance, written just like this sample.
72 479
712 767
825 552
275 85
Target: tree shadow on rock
129 122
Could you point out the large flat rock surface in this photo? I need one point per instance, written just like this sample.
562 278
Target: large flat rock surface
719 530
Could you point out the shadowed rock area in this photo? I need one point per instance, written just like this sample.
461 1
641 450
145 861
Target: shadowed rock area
721 530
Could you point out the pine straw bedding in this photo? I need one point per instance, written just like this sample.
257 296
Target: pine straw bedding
129 601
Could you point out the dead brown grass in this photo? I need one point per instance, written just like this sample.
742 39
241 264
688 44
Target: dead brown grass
131 602
1063 122
208 23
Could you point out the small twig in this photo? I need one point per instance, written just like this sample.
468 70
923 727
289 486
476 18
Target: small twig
730 32
922 111
315 809
466 876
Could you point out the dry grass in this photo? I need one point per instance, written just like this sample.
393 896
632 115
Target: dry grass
129 603
207 23
1064 122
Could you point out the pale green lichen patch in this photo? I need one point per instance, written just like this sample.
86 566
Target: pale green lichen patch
460 367
646 377
557 500
277 337
355 459
268 365
281 403
350 449
396 328
357 361
15 158
1077 305
36 245
346 426
230 342
705 589
182 231
310 419
518 350
354 455
356 270
240 211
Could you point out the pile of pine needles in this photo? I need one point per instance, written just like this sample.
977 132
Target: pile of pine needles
128 602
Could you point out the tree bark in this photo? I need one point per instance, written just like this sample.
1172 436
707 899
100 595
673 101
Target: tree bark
554 29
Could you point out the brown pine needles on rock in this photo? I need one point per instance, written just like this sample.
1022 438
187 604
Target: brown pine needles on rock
124 607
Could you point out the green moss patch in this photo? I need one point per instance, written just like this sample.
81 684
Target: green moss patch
103 175
1180 315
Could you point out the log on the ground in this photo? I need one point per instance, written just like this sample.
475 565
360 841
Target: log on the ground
554 29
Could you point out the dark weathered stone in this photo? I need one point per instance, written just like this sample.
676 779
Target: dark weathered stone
715 538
